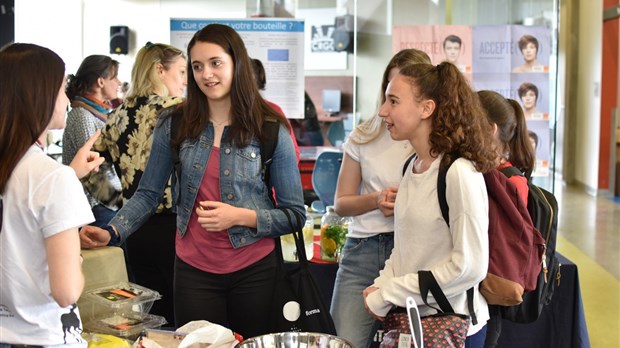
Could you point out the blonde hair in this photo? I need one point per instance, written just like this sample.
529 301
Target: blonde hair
370 129
145 79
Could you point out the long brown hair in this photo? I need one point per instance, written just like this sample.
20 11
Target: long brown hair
459 125
30 80
248 109
512 127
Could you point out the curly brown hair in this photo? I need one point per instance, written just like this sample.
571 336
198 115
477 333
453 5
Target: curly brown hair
459 125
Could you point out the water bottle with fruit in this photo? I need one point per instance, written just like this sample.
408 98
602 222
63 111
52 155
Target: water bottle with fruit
334 229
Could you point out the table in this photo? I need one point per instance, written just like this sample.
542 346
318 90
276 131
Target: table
561 324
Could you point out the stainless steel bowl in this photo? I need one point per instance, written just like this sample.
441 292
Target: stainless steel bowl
295 340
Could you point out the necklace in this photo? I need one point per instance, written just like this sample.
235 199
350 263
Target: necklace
218 124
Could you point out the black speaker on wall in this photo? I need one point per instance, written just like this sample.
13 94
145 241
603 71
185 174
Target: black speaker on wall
343 34
119 39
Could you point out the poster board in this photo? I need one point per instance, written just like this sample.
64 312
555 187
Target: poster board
278 43
512 60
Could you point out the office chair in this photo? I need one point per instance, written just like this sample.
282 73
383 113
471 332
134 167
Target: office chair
325 178
335 133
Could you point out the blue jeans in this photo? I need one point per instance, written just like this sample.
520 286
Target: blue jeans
476 340
362 259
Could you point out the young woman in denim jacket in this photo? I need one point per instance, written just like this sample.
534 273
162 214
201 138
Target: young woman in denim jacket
225 264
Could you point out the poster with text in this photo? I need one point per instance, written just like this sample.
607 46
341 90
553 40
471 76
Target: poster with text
532 49
492 49
452 43
415 36
499 82
278 43
319 40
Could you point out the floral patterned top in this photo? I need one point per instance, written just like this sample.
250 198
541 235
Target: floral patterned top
126 141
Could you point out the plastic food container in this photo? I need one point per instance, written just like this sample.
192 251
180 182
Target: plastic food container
122 299
127 326
120 310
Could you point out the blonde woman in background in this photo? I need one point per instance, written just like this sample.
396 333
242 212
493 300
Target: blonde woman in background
366 190
158 80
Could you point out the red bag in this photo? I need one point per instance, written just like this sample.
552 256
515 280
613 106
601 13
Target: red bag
516 247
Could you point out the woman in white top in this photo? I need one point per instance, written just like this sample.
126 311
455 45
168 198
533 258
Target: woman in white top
42 205
437 111
367 185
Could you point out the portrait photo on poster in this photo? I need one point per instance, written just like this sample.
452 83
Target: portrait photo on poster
531 49
531 90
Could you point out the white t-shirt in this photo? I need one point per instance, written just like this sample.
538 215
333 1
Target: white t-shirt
42 198
458 256
381 162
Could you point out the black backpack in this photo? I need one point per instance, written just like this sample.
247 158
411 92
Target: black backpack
543 208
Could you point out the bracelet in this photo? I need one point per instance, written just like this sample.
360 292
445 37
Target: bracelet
114 239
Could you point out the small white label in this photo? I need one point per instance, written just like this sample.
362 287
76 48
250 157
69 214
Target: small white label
404 340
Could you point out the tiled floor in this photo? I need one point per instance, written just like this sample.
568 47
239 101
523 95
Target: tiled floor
589 235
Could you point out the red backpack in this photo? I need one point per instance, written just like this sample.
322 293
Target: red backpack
516 247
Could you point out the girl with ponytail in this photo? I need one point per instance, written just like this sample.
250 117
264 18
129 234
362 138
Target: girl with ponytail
513 144
435 109
513 148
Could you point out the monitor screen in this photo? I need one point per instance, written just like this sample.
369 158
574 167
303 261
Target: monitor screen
331 101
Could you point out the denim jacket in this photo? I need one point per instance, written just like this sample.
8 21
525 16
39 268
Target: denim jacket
241 184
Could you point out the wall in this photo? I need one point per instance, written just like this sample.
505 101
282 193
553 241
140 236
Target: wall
82 27
588 90
609 103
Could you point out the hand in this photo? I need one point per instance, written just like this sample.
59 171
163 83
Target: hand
386 199
85 160
93 237
365 293
216 216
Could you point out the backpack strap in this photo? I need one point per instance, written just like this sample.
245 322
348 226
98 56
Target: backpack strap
174 130
445 212
428 283
441 190
267 147
1 212
511 171
407 163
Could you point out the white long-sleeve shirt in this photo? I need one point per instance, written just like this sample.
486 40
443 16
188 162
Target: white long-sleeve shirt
457 255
